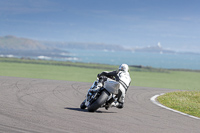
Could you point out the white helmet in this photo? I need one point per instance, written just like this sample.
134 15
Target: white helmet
124 67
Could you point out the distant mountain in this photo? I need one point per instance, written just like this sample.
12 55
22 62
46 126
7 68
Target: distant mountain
153 49
79 45
15 43
23 47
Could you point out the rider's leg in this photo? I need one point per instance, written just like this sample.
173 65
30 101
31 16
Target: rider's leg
121 97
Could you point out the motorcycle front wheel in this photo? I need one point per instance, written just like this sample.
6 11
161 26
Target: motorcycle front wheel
99 102
82 106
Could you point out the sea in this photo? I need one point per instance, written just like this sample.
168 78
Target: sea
156 60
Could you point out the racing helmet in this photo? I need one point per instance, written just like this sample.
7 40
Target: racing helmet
123 67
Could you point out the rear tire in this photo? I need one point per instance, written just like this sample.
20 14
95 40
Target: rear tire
99 102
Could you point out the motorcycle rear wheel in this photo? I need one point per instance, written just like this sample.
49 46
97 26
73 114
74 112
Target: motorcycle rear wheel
99 102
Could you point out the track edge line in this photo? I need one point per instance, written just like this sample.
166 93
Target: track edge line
153 99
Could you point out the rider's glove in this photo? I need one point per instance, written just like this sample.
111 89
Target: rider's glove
98 75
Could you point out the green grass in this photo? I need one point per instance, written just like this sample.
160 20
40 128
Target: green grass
48 72
184 101
172 80
84 72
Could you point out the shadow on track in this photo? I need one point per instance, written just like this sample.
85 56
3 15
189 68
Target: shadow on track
85 110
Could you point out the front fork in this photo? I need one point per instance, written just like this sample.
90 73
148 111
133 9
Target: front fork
90 98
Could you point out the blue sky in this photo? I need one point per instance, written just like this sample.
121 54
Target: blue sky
173 23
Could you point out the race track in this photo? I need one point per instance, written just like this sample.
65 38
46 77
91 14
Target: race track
49 106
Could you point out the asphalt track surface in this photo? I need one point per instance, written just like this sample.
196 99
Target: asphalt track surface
49 106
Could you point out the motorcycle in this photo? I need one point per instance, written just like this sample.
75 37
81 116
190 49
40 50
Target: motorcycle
100 94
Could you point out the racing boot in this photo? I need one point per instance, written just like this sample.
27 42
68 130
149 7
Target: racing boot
120 105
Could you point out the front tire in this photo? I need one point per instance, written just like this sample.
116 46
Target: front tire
82 106
99 102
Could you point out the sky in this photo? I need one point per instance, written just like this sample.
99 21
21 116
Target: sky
175 24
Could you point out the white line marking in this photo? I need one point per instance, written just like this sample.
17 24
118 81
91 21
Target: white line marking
153 99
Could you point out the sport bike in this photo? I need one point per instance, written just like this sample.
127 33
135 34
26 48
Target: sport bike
100 93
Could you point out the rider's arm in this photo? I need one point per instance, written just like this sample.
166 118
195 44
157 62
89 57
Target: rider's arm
105 73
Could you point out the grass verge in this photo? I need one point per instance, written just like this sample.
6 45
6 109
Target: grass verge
86 72
184 101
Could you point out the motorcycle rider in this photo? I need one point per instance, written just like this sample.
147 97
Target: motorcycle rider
123 77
